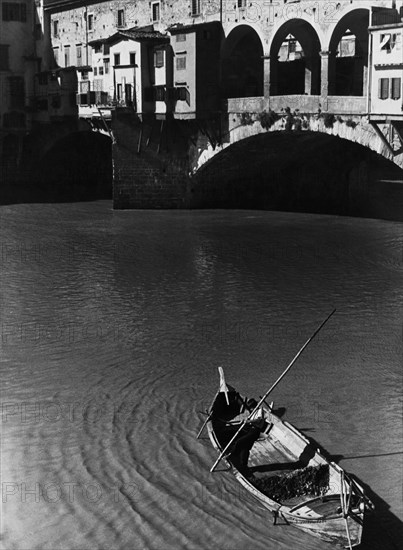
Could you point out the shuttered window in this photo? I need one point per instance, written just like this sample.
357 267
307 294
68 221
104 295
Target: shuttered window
383 88
396 91
159 58
181 63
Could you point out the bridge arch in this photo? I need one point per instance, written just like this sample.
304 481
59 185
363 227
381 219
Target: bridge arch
295 66
242 63
348 54
77 166
293 171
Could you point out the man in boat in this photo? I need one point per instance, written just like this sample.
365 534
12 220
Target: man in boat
239 451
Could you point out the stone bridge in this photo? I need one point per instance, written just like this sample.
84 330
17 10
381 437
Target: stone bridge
343 117
292 77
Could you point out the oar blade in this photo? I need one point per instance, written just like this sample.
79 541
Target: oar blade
223 385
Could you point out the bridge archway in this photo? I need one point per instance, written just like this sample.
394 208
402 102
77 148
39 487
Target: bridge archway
77 167
301 172
242 63
295 59
348 59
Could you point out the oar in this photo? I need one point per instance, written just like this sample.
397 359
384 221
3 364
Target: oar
343 507
262 399
209 415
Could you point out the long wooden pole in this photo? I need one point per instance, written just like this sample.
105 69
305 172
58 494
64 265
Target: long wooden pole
269 391
343 498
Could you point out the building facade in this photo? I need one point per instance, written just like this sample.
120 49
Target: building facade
65 60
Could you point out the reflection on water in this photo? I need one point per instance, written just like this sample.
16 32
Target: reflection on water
113 326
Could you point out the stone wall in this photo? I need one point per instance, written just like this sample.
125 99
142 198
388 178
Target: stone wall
150 165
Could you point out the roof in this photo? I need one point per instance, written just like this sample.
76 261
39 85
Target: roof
135 33
180 27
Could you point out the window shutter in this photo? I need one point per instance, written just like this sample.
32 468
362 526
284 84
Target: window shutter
396 88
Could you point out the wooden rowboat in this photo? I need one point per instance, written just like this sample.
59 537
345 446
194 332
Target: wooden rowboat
285 471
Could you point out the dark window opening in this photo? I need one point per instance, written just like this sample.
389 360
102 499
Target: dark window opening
132 57
121 18
79 56
116 58
196 7
156 11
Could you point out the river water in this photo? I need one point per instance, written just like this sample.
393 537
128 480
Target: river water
113 326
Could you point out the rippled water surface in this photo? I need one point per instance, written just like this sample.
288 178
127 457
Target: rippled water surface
113 326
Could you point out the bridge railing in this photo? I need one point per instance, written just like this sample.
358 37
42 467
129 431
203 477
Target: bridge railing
351 105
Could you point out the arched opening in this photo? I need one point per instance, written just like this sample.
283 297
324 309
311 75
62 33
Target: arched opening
242 63
348 61
295 60
300 172
78 167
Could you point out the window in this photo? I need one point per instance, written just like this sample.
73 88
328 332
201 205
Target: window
396 91
383 88
181 37
97 48
106 66
121 18
14 12
196 7
155 11
56 55
106 49
132 58
159 93
159 58
67 56
90 22
79 56
4 66
95 71
241 3
183 94
101 71
119 92
84 87
55 27
17 92
116 58
84 75
181 63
